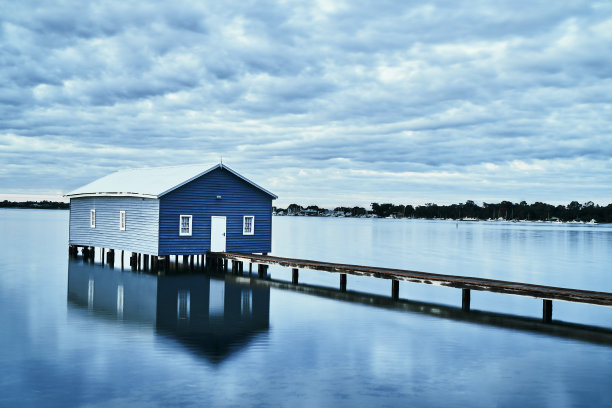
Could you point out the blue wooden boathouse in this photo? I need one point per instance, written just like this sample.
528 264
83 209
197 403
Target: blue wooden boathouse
179 210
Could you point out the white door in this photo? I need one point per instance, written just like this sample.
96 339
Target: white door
217 234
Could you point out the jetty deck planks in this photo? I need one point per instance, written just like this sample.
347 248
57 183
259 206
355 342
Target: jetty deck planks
461 282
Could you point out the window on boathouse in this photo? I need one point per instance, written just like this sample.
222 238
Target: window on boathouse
185 225
248 225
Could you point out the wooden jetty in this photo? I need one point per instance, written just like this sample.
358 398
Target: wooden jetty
218 261
466 284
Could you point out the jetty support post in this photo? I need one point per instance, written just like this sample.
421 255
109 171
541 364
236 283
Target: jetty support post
225 265
343 282
133 261
122 259
110 258
102 256
547 310
465 300
295 274
262 270
146 262
395 289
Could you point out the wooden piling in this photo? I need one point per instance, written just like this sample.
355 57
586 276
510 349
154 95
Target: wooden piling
343 282
145 262
395 289
110 258
465 300
122 259
224 265
262 270
547 310
295 276
102 256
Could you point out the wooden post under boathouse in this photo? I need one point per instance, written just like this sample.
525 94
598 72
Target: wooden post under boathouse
155 215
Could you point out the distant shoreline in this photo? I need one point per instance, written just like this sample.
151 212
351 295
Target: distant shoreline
35 205
454 219
574 213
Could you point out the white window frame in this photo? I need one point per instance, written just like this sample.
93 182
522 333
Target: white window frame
92 218
181 233
122 220
244 225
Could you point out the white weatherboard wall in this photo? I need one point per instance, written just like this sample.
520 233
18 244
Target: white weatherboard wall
141 223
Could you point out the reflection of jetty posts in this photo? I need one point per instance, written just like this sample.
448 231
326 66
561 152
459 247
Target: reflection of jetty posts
466 284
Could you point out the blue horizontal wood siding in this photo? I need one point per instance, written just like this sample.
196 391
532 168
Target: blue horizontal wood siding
198 198
141 223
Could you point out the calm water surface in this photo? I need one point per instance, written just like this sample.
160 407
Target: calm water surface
80 335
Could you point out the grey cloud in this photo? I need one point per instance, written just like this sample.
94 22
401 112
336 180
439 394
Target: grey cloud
275 87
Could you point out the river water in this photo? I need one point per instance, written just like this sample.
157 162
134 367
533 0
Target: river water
76 334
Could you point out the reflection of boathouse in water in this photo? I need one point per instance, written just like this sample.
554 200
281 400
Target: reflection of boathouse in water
210 316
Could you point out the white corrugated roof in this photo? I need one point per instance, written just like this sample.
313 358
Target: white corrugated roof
149 182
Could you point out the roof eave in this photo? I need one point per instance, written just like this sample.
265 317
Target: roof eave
274 196
109 194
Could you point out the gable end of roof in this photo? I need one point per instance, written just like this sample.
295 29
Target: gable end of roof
219 166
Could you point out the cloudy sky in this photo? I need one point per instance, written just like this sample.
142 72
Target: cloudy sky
320 102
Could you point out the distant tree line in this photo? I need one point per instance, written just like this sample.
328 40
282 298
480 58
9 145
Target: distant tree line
46 205
506 210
